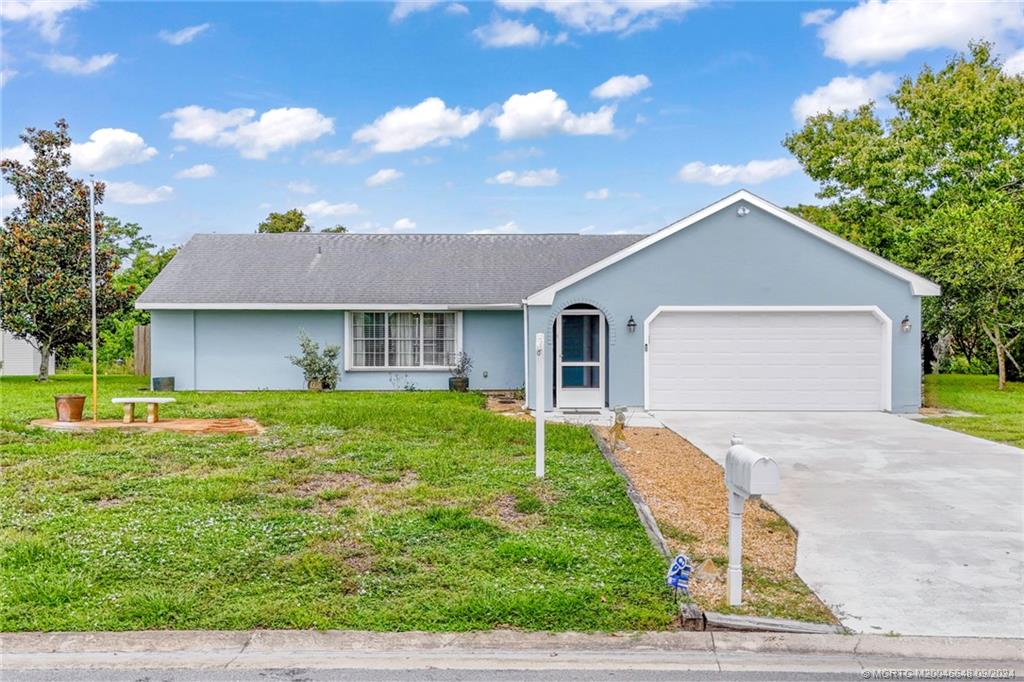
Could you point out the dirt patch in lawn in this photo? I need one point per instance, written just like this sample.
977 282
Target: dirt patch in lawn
511 513
685 490
508 404
307 451
329 480
334 490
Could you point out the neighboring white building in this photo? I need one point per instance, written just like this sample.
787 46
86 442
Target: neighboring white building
18 357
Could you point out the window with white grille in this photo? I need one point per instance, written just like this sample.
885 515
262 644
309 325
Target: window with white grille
403 340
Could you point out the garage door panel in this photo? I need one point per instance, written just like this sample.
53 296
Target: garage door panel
724 360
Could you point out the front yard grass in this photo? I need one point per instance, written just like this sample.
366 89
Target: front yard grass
996 415
397 511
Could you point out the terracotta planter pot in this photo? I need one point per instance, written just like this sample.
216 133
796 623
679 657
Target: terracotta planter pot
69 407
460 384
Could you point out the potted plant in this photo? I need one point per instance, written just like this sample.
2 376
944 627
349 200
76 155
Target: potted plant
461 365
320 369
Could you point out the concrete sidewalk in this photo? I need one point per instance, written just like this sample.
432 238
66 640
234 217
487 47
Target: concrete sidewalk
500 650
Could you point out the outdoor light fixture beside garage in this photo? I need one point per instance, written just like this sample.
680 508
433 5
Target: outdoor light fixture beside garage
905 324
631 325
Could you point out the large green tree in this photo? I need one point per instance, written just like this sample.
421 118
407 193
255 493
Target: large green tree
289 221
44 250
937 186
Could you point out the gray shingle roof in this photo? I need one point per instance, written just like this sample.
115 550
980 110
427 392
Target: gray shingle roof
429 269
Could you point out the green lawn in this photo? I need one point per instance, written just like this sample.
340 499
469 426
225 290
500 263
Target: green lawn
999 414
396 511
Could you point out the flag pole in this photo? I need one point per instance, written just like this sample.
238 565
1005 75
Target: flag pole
92 286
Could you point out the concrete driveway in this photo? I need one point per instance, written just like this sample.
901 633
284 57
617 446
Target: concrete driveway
903 527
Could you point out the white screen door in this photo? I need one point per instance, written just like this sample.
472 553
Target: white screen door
579 375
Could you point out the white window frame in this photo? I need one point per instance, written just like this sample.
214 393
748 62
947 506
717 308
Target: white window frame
349 326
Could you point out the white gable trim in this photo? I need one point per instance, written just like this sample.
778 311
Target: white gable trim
919 286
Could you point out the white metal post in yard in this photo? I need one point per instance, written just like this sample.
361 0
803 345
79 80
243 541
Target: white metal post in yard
92 287
538 404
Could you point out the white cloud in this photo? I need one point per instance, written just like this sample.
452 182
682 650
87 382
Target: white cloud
404 8
301 187
21 153
69 64
196 124
429 122
588 229
508 33
132 193
323 209
404 224
621 86
842 93
508 228
45 16
109 148
185 35
876 31
545 177
752 172
600 16
540 113
9 202
598 194
1014 64
456 8
197 172
6 75
383 177
274 130
816 17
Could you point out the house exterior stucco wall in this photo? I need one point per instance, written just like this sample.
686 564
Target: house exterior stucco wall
248 349
728 260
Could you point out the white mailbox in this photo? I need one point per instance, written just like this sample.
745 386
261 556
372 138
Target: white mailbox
749 473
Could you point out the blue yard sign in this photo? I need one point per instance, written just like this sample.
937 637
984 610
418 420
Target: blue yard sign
679 574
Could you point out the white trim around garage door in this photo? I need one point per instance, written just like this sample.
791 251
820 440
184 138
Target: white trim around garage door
886 392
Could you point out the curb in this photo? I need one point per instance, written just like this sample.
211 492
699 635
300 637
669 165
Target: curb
510 641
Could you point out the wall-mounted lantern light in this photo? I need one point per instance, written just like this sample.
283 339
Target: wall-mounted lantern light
905 325
631 325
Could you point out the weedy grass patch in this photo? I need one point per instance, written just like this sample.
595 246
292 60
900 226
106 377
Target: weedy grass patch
380 511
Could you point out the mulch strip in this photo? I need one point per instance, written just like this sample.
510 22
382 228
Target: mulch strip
686 492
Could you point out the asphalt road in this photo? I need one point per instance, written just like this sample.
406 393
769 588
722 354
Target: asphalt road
368 675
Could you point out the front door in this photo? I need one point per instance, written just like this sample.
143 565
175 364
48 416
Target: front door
579 376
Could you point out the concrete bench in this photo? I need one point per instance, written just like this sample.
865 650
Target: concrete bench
152 407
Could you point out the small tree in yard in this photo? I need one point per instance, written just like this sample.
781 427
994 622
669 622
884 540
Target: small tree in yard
44 250
319 369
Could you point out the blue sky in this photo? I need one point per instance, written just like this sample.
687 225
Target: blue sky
596 116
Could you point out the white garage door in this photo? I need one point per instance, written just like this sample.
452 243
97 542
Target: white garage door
753 359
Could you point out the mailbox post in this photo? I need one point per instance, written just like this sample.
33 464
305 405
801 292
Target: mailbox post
538 412
747 474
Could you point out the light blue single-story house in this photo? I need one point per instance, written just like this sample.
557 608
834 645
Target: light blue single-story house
739 306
